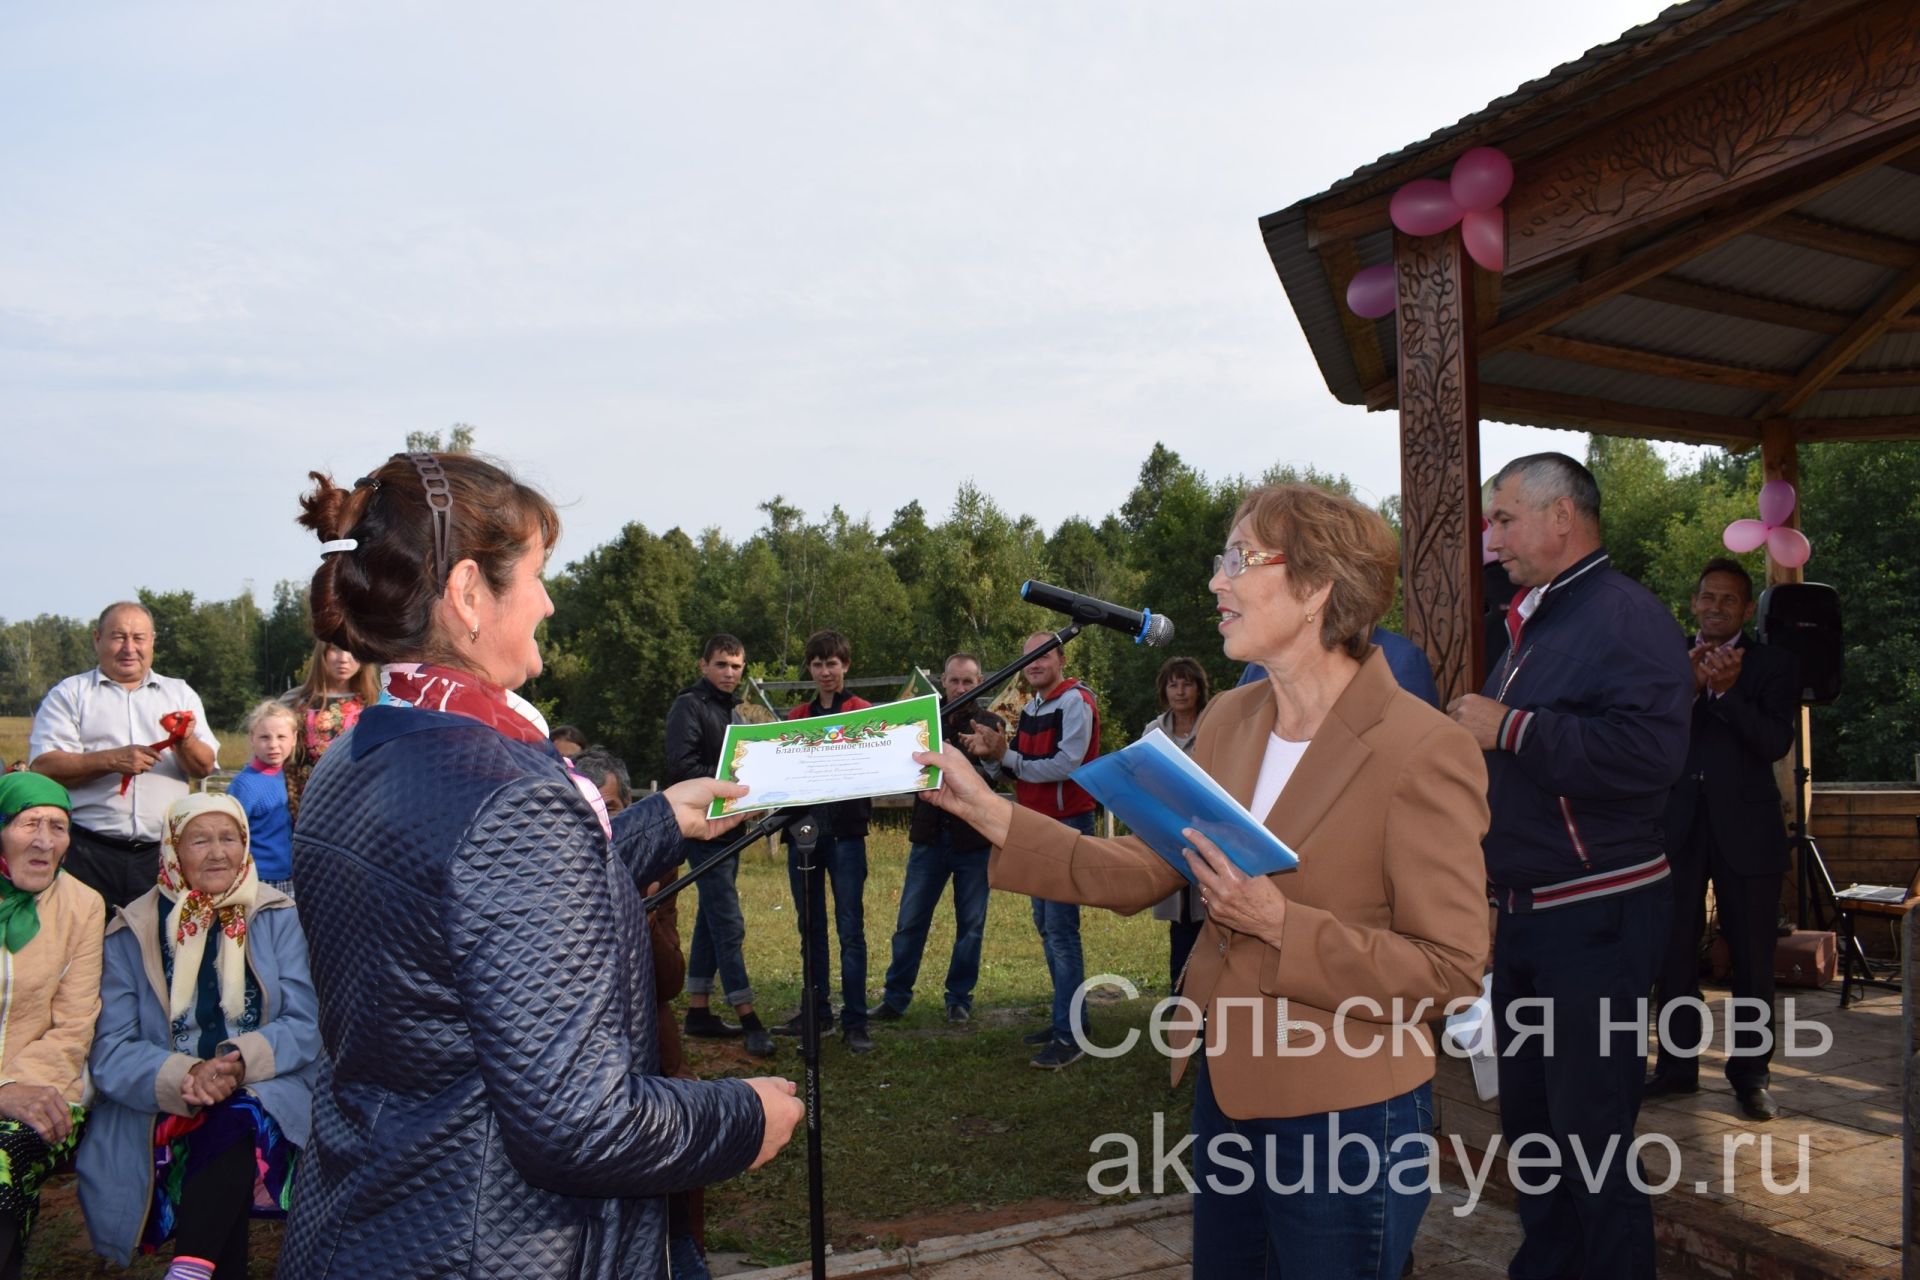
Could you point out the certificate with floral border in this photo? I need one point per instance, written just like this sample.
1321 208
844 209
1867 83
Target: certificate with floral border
868 752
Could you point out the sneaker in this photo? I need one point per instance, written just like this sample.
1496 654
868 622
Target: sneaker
858 1041
703 1024
792 1026
759 1043
1043 1036
1058 1054
958 1013
887 1013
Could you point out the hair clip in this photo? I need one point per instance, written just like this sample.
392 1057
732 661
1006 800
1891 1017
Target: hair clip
339 544
367 482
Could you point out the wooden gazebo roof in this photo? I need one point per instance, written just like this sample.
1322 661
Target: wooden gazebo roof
1714 228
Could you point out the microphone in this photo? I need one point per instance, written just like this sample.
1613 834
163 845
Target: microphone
1144 625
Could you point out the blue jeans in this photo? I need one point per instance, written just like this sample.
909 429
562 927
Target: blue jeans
1058 924
719 931
844 862
1588 1089
928 868
1349 1222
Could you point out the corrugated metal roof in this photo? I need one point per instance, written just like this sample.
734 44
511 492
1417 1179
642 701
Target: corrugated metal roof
1683 331
1593 60
1891 402
1884 201
1788 273
1542 373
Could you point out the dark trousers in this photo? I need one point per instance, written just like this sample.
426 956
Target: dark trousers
1587 1090
1749 909
118 870
1181 935
839 862
929 867
214 1212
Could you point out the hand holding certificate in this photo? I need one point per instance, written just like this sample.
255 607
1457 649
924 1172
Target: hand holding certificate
868 752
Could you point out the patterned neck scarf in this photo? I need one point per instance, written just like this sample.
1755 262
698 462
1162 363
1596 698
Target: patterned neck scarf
196 917
437 688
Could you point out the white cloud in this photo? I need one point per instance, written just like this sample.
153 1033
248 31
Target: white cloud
673 260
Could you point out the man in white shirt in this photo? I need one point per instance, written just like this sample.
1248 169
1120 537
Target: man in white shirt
94 734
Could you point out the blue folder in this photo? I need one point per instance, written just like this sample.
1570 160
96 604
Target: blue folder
1157 791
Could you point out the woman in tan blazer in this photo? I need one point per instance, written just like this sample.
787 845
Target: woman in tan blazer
1348 958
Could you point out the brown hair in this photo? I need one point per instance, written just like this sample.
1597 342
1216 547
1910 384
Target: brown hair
376 601
313 692
826 646
1328 539
1195 674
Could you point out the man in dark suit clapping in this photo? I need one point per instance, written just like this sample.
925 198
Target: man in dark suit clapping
1724 823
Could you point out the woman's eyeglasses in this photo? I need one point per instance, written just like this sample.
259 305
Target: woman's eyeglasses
1238 560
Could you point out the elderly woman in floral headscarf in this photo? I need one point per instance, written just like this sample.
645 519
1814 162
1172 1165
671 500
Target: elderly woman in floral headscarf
49 995
205 1054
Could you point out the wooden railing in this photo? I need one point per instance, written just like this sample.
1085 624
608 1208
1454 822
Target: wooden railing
1910 1179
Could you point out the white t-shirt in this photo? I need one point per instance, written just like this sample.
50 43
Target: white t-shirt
1275 768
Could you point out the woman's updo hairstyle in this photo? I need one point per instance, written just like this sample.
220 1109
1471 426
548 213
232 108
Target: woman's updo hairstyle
376 599
1329 538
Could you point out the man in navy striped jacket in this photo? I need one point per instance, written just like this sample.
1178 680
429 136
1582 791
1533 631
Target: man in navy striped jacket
1585 724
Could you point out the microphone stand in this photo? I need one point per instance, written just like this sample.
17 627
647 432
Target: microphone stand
806 837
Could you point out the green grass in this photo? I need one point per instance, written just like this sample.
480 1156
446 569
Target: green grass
940 1130
939 1122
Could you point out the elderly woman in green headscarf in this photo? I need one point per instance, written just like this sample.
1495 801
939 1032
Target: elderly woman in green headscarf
50 930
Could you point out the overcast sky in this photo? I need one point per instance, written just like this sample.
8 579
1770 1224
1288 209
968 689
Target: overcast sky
671 260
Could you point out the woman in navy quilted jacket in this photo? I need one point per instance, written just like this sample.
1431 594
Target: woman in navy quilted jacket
493 1104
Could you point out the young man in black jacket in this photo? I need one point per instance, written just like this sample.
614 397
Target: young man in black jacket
1584 722
696 725
943 848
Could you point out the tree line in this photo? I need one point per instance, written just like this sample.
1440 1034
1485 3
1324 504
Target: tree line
631 615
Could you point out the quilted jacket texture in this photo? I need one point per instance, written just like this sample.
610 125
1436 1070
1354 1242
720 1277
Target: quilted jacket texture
492 1104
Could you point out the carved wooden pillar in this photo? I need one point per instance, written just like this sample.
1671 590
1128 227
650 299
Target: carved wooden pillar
1780 460
1440 458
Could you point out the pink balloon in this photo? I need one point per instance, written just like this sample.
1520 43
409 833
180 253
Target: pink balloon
1744 535
1789 547
1776 502
1423 207
1481 179
1485 232
1372 292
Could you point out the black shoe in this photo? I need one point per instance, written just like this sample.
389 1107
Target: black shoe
858 1041
1043 1036
1757 1103
702 1024
887 1013
792 1026
759 1043
1058 1054
1667 1086
959 1013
